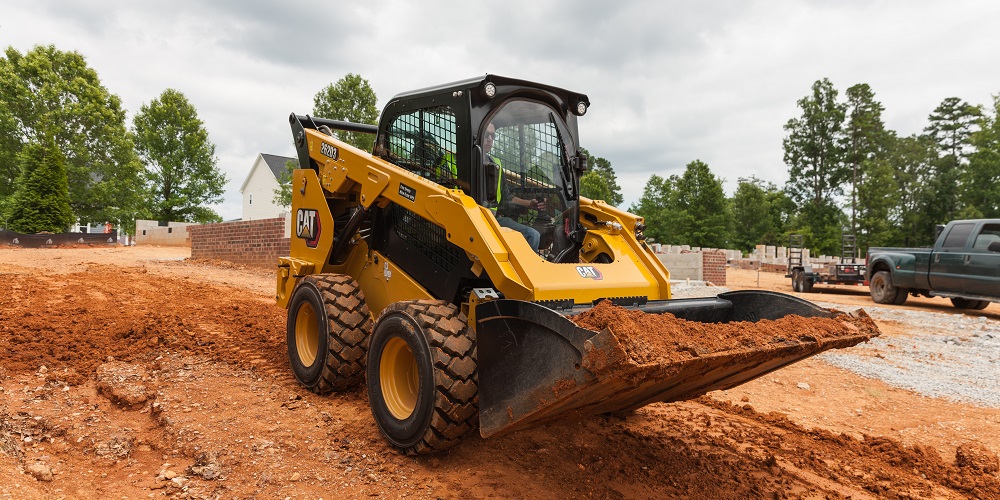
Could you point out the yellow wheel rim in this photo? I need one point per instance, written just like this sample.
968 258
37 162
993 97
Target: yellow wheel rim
399 378
306 334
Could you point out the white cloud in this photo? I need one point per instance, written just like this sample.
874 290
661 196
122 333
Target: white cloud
669 82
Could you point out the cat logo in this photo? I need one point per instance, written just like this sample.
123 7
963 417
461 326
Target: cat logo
589 272
307 226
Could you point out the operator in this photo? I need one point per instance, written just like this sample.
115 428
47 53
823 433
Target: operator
530 234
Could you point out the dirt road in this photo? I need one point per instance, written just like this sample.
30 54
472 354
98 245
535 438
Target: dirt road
134 373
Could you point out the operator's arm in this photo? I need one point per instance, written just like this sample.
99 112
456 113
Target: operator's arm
530 204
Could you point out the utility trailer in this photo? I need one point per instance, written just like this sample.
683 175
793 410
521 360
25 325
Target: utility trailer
804 275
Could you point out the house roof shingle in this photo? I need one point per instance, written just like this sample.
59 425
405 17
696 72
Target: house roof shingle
276 163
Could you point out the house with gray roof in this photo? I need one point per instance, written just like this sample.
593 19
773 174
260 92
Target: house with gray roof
258 188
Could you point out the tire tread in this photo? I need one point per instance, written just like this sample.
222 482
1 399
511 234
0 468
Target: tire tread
456 393
349 331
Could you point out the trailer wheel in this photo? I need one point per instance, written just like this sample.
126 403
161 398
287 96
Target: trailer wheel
422 378
807 284
328 331
797 281
884 292
962 303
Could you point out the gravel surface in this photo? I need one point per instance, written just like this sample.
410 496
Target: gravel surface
942 355
950 356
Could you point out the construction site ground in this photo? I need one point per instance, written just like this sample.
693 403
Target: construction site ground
134 372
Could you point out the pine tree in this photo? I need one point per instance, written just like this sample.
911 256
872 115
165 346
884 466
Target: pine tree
41 202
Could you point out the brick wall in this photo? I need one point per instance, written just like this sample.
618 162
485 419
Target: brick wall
713 265
253 243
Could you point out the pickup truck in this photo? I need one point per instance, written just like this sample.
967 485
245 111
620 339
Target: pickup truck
963 265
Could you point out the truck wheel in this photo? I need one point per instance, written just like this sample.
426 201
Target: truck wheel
961 303
329 328
422 378
882 289
901 295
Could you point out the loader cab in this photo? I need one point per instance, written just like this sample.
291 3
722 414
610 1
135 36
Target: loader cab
439 133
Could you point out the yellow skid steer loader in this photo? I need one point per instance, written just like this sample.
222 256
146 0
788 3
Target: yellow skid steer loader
441 269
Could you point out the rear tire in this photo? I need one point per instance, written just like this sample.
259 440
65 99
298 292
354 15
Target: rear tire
962 303
328 332
422 376
901 295
883 291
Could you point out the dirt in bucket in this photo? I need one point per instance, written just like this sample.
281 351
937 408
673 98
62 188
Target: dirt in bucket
664 338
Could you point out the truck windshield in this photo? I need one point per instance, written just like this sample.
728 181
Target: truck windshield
529 146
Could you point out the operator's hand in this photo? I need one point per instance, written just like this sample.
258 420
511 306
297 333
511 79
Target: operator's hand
537 205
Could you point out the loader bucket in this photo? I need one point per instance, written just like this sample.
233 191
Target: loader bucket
538 366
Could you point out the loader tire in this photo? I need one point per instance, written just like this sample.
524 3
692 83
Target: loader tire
422 376
884 292
329 329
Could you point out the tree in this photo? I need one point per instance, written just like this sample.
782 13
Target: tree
46 92
911 160
816 169
981 180
873 188
813 150
702 211
41 202
283 193
754 222
951 126
601 183
350 99
654 207
181 172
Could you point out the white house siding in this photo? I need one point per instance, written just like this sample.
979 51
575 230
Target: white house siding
258 193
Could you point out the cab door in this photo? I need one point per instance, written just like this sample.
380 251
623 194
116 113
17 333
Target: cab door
949 260
983 266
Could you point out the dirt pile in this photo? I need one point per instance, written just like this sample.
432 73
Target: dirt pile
663 338
67 325
226 419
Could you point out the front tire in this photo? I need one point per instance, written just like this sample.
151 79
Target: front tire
422 378
328 331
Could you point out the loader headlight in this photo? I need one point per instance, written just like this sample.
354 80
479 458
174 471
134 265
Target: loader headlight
581 108
490 89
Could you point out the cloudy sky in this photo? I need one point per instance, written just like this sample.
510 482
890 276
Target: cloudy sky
669 81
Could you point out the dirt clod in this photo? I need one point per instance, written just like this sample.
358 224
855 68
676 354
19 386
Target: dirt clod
40 472
124 384
977 457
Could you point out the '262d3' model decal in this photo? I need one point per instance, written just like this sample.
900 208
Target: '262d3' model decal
589 272
329 151
307 226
